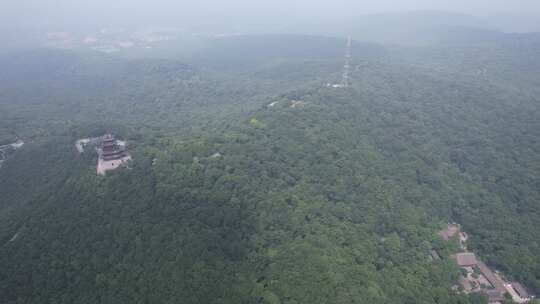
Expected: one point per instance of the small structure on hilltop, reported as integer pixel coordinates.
(297, 104)
(519, 294)
(450, 231)
(6, 150)
(335, 85)
(466, 259)
(18, 144)
(520, 290)
(112, 154)
(81, 144)
(492, 277)
(435, 255)
(216, 155)
(494, 296)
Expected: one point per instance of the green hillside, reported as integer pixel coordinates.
(327, 196)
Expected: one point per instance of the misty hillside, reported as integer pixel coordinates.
(255, 50)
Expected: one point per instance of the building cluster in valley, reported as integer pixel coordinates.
(477, 276)
(112, 153)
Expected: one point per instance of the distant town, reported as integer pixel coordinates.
(113, 40)
(110, 40)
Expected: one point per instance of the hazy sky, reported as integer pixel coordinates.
(186, 12)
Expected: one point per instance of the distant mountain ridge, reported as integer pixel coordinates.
(415, 27)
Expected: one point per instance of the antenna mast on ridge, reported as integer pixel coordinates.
(345, 76)
(347, 66)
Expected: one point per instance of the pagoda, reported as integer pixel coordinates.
(112, 154)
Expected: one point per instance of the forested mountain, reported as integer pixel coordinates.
(255, 182)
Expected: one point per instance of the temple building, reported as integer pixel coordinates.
(112, 154)
(466, 259)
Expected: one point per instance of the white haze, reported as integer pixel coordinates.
(85, 13)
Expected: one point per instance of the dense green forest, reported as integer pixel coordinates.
(337, 199)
